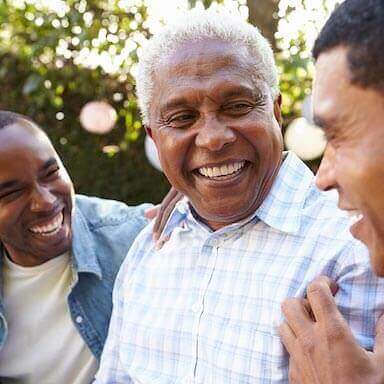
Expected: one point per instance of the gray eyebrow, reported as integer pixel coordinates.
(48, 163)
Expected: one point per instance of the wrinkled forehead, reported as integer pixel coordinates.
(202, 58)
(215, 67)
(210, 53)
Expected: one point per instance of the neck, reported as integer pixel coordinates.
(23, 258)
(215, 225)
(264, 190)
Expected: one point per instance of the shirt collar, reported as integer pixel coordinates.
(83, 246)
(281, 209)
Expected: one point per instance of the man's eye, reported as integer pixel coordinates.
(238, 108)
(181, 119)
(52, 172)
(7, 196)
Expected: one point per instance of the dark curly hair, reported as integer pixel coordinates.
(357, 25)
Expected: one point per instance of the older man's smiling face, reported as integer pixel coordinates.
(216, 130)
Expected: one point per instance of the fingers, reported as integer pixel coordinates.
(327, 281)
(159, 222)
(164, 212)
(378, 349)
(296, 370)
(320, 296)
(151, 213)
(159, 243)
(287, 337)
(167, 199)
(297, 314)
(293, 374)
(163, 216)
(379, 341)
(334, 328)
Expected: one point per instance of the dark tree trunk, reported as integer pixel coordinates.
(264, 15)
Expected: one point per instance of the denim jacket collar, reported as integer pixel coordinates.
(83, 251)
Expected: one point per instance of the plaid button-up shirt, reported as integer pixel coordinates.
(204, 308)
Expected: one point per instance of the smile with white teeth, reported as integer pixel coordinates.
(50, 228)
(223, 170)
(354, 215)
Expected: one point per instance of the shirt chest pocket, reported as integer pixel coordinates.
(242, 353)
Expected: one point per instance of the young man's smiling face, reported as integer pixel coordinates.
(216, 130)
(353, 120)
(36, 196)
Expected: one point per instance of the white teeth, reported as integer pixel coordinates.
(50, 228)
(223, 170)
(354, 216)
(353, 212)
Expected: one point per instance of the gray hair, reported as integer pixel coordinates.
(197, 25)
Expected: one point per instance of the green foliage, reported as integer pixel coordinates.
(296, 74)
(44, 76)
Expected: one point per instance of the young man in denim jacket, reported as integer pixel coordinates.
(59, 255)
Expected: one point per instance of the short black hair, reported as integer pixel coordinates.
(8, 118)
(357, 25)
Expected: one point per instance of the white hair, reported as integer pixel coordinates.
(197, 25)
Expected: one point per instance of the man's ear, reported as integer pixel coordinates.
(277, 109)
(148, 130)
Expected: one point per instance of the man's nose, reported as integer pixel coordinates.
(214, 134)
(42, 199)
(325, 177)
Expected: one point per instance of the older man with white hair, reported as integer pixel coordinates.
(252, 230)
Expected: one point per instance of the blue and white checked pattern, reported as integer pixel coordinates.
(204, 308)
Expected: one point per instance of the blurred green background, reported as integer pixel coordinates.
(58, 55)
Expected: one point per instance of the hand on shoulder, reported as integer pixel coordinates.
(321, 345)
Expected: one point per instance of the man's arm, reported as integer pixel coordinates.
(161, 213)
(321, 345)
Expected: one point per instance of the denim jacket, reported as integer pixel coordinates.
(103, 231)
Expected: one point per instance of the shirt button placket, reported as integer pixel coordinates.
(208, 261)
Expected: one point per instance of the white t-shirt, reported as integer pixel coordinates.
(43, 345)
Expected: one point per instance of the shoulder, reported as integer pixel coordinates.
(108, 227)
(102, 212)
(321, 218)
(142, 249)
(317, 210)
(320, 212)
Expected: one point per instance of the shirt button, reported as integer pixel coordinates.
(196, 307)
(79, 319)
